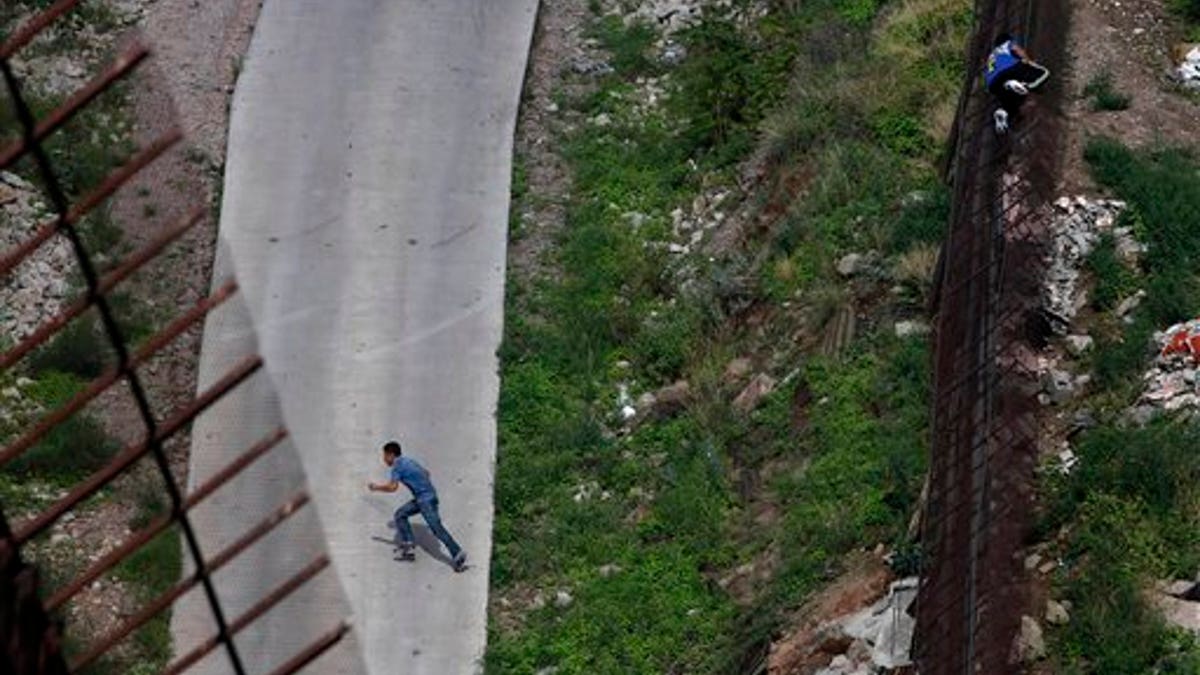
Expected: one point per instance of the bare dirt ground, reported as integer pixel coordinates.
(1132, 40)
(557, 40)
(188, 83)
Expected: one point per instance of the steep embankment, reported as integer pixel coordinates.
(714, 381)
(1117, 552)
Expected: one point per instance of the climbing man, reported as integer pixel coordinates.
(425, 501)
(1010, 76)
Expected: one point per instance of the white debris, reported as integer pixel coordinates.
(1077, 226)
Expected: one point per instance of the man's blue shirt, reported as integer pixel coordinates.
(414, 476)
(1001, 59)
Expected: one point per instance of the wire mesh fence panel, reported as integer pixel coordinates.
(985, 428)
(137, 571)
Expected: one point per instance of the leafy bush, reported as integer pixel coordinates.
(727, 83)
(901, 132)
(1104, 95)
(77, 349)
(76, 446)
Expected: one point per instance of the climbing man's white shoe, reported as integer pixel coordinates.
(1016, 87)
(1001, 116)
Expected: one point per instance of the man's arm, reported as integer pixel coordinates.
(1020, 52)
(390, 486)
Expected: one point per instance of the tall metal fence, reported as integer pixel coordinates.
(30, 630)
(985, 384)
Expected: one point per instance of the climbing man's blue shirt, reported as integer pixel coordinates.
(1001, 59)
(414, 476)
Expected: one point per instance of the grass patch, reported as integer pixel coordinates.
(78, 349)
(1104, 94)
(1114, 279)
(1127, 503)
(152, 570)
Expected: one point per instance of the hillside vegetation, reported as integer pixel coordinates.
(677, 533)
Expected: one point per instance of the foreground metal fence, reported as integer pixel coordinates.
(32, 640)
(985, 429)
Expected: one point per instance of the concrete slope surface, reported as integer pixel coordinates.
(365, 213)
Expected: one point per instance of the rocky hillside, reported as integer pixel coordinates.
(715, 386)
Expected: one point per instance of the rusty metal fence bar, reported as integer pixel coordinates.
(32, 642)
(983, 444)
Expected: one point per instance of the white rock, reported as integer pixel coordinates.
(1056, 614)
(1079, 344)
(1029, 645)
(563, 599)
(906, 328)
(850, 264)
(609, 569)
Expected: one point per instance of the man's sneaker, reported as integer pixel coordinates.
(1001, 116)
(404, 552)
(1016, 87)
(460, 561)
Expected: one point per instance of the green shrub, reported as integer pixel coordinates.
(78, 445)
(1121, 360)
(901, 132)
(1188, 8)
(1114, 280)
(1104, 95)
(923, 221)
(77, 349)
(630, 45)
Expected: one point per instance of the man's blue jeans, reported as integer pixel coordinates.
(428, 508)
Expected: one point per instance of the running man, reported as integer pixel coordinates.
(425, 501)
(1010, 76)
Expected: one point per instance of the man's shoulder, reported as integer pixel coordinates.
(408, 464)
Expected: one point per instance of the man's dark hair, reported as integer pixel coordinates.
(1001, 39)
(392, 448)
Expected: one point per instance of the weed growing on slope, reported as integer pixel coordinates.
(1104, 94)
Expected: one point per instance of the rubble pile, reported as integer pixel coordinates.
(1171, 381)
(1188, 70)
(1077, 226)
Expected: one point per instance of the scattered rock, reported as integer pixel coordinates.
(1129, 304)
(851, 264)
(887, 626)
(672, 53)
(563, 599)
(1056, 614)
(1029, 645)
(906, 328)
(609, 570)
(1032, 561)
(737, 369)
(1077, 345)
(1181, 589)
(586, 66)
(1184, 614)
(671, 399)
(1077, 226)
(1058, 385)
(760, 386)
